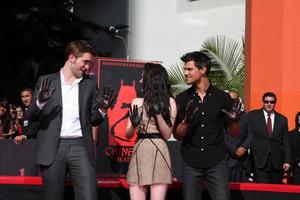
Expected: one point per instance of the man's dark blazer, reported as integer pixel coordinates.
(278, 145)
(244, 139)
(50, 118)
(30, 128)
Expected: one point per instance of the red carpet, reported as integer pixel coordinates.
(120, 182)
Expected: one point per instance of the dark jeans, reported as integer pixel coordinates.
(216, 177)
(71, 157)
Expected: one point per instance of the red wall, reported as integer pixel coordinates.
(273, 54)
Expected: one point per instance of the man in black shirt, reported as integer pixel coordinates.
(200, 126)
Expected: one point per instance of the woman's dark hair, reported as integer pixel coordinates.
(296, 120)
(4, 103)
(156, 90)
(6, 117)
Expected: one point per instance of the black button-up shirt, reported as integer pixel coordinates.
(204, 146)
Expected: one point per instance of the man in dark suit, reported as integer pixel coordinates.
(238, 140)
(67, 106)
(294, 136)
(271, 147)
(29, 129)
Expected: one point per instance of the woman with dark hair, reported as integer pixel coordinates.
(6, 123)
(295, 149)
(19, 120)
(153, 117)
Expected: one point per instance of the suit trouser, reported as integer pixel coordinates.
(240, 171)
(268, 174)
(216, 177)
(71, 157)
(296, 173)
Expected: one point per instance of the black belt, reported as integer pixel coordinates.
(149, 135)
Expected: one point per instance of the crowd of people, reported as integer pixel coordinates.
(221, 142)
(13, 118)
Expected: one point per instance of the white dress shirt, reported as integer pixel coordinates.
(70, 127)
(272, 116)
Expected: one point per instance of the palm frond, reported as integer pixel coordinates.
(176, 78)
(227, 56)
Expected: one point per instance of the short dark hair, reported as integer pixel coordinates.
(269, 94)
(200, 59)
(27, 89)
(4, 103)
(78, 47)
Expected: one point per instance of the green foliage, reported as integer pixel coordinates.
(176, 78)
(227, 56)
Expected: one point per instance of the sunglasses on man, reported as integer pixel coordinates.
(271, 102)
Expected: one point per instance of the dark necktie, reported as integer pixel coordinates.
(234, 129)
(269, 125)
